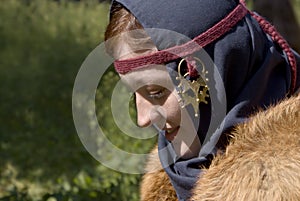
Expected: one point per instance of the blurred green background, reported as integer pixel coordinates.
(42, 46)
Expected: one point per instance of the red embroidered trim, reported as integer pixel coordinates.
(163, 56)
(276, 37)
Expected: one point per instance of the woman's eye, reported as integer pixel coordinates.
(157, 94)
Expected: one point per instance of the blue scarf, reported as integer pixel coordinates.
(253, 68)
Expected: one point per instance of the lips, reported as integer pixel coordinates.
(171, 133)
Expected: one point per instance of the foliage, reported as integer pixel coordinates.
(42, 46)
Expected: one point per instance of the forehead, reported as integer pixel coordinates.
(152, 75)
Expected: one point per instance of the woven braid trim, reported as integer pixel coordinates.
(164, 56)
(276, 37)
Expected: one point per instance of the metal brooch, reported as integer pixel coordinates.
(192, 91)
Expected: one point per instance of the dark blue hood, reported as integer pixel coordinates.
(254, 70)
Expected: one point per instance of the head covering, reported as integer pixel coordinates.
(255, 70)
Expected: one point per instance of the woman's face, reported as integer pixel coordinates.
(157, 105)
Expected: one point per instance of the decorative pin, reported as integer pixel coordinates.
(195, 91)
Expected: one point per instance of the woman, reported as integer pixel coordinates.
(197, 70)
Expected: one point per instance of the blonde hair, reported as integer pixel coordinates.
(125, 29)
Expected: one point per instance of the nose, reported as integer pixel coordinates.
(148, 113)
(143, 107)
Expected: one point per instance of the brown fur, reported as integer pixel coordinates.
(156, 185)
(262, 161)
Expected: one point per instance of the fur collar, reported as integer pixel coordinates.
(262, 162)
(156, 185)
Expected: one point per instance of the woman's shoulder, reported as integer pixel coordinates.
(262, 161)
(155, 183)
